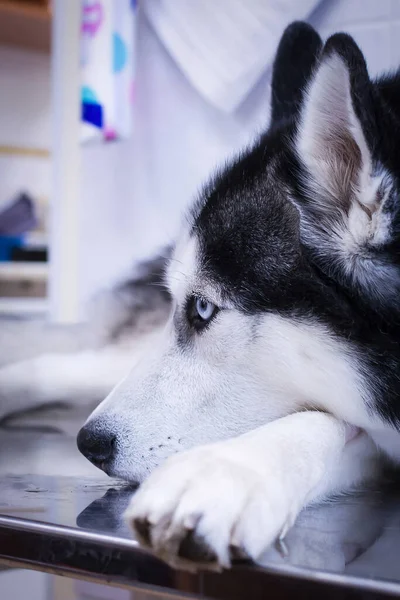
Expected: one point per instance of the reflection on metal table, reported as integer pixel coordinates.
(348, 548)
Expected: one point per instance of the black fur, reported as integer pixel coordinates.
(249, 226)
(295, 59)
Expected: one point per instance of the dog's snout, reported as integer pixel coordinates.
(96, 445)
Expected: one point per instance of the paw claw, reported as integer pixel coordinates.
(197, 518)
(282, 548)
(237, 552)
(194, 548)
(142, 529)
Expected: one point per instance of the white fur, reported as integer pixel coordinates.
(272, 412)
(246, 492)
(181, 268)
(327, 116)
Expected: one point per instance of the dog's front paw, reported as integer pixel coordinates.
(204, 507)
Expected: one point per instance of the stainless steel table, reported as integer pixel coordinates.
(349, 548)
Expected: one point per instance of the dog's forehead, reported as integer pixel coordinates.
(185, 275)
(241, 235)
(182, 267)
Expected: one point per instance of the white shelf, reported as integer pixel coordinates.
(14, 271)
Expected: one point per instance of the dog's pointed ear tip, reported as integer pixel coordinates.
(295, 58)
(339, 40)
(345, 46)
(300, 29)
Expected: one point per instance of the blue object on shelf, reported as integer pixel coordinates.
(7, 243)
(92, 113)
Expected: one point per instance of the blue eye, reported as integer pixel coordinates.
(200, 312)
(205, 309)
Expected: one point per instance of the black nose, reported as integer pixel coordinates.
(97, 445)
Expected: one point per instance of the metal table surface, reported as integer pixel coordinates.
(348, 548)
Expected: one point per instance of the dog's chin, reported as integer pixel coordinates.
(108, 468)
(131, 476)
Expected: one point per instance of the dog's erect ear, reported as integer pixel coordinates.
(295, 59)
(330, 141)
(343, 193)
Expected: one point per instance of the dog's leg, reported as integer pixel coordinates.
(244, 493)
(68, 378)
(24, 339)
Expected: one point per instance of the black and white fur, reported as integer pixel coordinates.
(288, 392)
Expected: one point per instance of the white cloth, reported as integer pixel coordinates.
(223, 46)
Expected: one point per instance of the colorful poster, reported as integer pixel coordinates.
(107, 63)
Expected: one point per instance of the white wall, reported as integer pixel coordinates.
(134, 192)
(374, 24)
(24, 120)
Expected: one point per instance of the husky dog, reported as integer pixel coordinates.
(275, 382)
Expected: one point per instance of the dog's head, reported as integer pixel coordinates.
(285, 260)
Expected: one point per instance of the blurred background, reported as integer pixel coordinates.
(113, 113)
